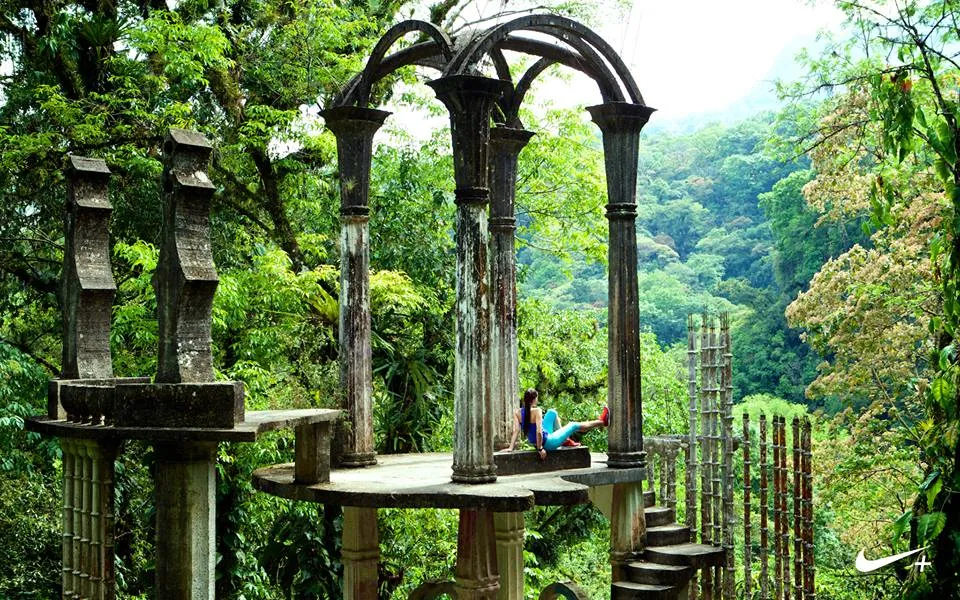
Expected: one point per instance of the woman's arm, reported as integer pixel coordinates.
(516, 430)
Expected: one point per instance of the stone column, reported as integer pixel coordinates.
(361, 553)
(469, 100)
(508, 528)
(186, 484)
(505, 146)
(628, 527)
(620, 123)
(88, 286)
(354, 128)
(476, 571)
(185, 283)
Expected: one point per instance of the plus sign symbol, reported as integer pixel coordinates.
(922, 563)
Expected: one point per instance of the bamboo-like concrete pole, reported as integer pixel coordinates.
(797, 539)
(715, 426)
(69, 475)
(784, 509)
(706, 511)
(691, 454)
(764, 511)
(729, 517)
(747, 537)
(777, 549)
(808, 558)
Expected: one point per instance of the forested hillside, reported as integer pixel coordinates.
(828, 229)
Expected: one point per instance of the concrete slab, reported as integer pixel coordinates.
(423, 481)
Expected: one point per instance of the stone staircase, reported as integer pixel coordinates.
(669, 560)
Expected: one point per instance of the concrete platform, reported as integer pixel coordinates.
(255, 424)
(423, 481)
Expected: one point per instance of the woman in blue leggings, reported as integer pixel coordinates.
(545, 431)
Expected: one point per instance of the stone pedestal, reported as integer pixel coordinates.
(361, 553)
(476, 575)
(509, 528)
(186, 486)
(628, 527)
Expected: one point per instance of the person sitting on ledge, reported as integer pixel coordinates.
(545, 431)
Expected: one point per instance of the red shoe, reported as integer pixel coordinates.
(571, 443)
(605, 416)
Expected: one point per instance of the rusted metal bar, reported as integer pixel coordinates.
(764, 510)
(469, 100)
(797, 538)
(807, 493)
(505, 147)
(747, 532)
(620, 123)
(354, 128)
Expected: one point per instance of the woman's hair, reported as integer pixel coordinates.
(528, 397)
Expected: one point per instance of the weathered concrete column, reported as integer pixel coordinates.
(476, 575)
(360, 552)
(354, 128)
(185, 282)
(186, 484)
(88, 286)
(509, 528)
(620, 123)
(628, 527)
(505, 146)
(469, 100)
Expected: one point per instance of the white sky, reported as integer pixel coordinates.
(693, 56)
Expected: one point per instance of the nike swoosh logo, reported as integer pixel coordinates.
(865, 565)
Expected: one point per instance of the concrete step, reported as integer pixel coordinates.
(657, 574)
(627, 590)
(685, 555)
(659, 515)
(668, 535)
(648, 498)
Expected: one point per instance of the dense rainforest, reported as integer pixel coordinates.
(829, 230)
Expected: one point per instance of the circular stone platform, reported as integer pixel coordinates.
(423, 481)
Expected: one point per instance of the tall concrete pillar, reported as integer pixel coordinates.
(186, 485)
(354, 128)
(476, 576)
(508, 529)
(505, 146)
(361, 553)
(469, 100)
(620, 123)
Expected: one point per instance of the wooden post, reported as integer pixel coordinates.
(476, 575)
(509, 529)
(505, 146)
(360, 553)
(620, 123)
(747, 532)
(797, 540)
(764, 510)
(469, 100)
(354, 128)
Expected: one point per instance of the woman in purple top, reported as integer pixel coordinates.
(545, 431)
